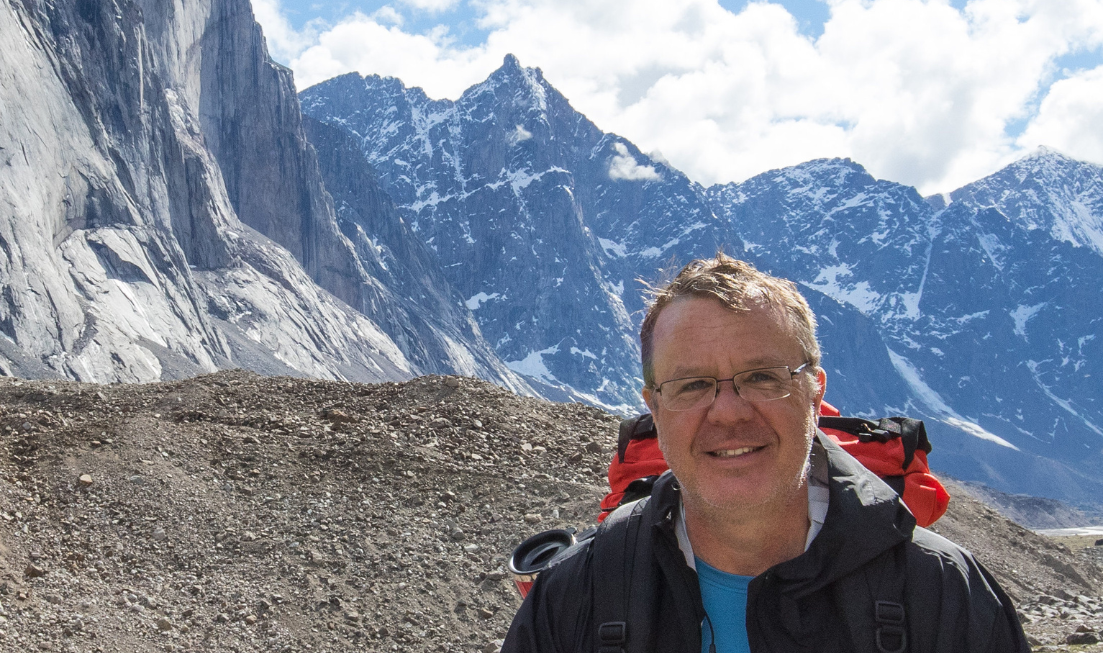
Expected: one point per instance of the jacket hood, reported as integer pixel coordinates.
(865, 517)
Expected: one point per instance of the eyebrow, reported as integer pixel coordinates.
(681, 372)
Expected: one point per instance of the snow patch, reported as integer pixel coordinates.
(936, 404)
(1022, 315)
(1063, 403)
(612, 248)
(478, 299)
(533, 365)
(624, 166)
(582, 352)
(858, 295)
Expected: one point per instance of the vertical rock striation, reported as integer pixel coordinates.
(123, 256)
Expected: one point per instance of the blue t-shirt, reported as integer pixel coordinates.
(725, 598)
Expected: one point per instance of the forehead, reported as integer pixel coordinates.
(694, 332)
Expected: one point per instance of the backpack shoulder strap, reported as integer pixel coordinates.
(872, 601)
(617, 547)
(640, 427)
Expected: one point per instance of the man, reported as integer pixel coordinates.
(764, 536)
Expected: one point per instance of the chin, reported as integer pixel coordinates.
(747, 494)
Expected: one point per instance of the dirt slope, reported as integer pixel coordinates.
(239, 513)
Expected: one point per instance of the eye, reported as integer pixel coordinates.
(762, 377)
(690, 386)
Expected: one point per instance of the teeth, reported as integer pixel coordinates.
(732, 453)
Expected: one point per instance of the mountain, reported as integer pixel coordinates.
(980, 332)
(165, 215)
(166, 209)
(927, 307)
(1047, 191)
(543, 222)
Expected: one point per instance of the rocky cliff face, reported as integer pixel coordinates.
(166, 215)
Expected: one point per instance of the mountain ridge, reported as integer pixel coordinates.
(881, 255)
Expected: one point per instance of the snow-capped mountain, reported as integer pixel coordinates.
(1047, 191)
(544, 224)
(986, 318)
(541, 221)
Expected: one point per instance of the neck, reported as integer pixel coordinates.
(749, 541)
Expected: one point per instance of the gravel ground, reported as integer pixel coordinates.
(234, 512)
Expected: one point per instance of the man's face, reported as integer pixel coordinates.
(734, 453)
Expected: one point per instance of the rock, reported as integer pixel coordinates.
(159, 534)
(163, 624)
(86, 480)
(34, 571)
(593, 447)
(251, 619)
(1081, 638)
(457, 534)
(452, 382)
(533, 518)
(485, 614)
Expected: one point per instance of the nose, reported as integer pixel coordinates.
(728, 405)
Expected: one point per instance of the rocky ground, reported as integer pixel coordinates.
(233, 512)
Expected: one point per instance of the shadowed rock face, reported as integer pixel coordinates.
(415, 304)
(167, 216)
(123, 256)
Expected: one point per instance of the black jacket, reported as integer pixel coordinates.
(819, 601)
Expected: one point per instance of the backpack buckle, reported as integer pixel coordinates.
(890, 636)
(612, 635)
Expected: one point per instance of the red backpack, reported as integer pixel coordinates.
(894, 448)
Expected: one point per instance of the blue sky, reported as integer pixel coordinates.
(933, 93)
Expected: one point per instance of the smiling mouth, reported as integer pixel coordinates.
(733, 453)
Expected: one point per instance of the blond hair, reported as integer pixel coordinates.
(739, 286)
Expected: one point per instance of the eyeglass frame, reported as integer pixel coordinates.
(719, 383)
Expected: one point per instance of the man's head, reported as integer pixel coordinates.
(738, 286)
(720, 318)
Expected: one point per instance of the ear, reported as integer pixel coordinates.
(649, 399)
(821, 388)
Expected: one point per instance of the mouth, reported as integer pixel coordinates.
(734, 453)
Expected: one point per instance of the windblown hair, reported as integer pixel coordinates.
(739, 286)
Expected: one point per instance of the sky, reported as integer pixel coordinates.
(929, 93)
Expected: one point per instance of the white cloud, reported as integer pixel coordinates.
(623, 166)
(519, 134)
(916, 90)
(432, 6)
(284, 42)
(1070, 117)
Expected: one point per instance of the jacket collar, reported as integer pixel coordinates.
(865, 517)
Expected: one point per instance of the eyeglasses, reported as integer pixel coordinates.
(764, 384)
